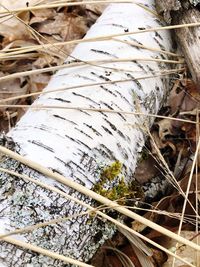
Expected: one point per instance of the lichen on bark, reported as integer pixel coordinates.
(40, 205)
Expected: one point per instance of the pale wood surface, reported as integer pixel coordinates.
(188, 38)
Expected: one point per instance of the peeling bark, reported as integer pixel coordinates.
(79, 144)
(188, 38)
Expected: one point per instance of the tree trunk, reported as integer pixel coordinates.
(80, 143)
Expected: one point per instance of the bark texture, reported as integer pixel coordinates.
(79, 144)
(188, 38)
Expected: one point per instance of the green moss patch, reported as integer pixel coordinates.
(112, 185)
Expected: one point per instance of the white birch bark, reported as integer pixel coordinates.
(77, 143)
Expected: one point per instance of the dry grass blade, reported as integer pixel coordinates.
(39, 225)
(189, 184)
(66, 4)
(170, 177)
(24, 245)
(99, 213)
(45, 252)
(36, 34)
(20, 56)
(147, 47)
(96, 197)
(52, 189)
(162, 28)
(93, 110)
(181, 61)
(164, 73)
(97, 63)
(107, 37)
(187, 193)
(52, 69)
(191, 219)
(26, 49)
(196, 181)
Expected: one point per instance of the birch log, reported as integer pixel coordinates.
(80, 143)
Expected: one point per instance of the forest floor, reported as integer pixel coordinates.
(171, 149)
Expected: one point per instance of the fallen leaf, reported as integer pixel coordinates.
(165, 128)
(159, 257)
(38, 83)
(185, 96)
(11, 28)
(146, 170)
(185, 252)
(13, 87)
(63, 26)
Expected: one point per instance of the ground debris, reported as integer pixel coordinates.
(21, 38)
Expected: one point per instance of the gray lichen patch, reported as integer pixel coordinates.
(24, 203)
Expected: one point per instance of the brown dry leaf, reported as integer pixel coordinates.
(46, 60)
(114, 260)
(10, 27)
(99, 259)
(19, 63)
(13, 4)
(165, 128)
(19, 43)
(129, 251)
(97, 8)
(13, 87)
(159, 257)
(10, 88)
(185, 96)
(11, 33)
(161, 144)
(195, 183)
(94, 11)
(176, 97)
(37, 83)
(104, 257)
(191, 134)
(41, 15)
(63, 27)
(184, 252)
(172, 205)
(146, 170)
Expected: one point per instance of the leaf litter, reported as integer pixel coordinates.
(176, 140)
(52, 26)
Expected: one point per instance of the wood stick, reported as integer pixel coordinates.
(182, 12)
